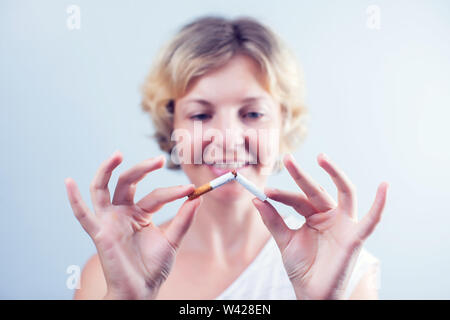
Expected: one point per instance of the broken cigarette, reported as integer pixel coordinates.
(251, 187)
(213, 184)
(233, 175)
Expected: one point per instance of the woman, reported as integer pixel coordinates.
(236, 79)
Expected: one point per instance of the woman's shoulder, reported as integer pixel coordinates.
(366, 262)
(366, 258)
(92, 281)
(366, 271)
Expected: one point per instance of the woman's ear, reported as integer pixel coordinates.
(170, 106)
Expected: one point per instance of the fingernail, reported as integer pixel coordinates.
(289, 156)
(161, 157)
(115, 153)
(269, 190)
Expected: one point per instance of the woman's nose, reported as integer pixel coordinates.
(232, 132)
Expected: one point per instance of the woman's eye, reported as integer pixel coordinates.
(253, 115)
(200, 116)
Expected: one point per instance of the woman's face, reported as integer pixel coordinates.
(228, 121)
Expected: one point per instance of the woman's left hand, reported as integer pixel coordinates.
(319, 257)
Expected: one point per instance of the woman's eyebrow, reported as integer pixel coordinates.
(200, 101)
(252, 99)
(210, 104)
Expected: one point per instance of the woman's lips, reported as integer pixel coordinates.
(219, 171)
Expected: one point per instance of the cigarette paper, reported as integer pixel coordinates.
(250, 187)
(222, 180)
(213, 184)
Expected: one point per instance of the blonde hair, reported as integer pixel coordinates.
(208, 43)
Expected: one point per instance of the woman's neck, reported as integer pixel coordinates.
(226, 230)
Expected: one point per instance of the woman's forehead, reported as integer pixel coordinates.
(239, 78)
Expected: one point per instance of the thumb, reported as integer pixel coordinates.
(274, 222)
(182, 221)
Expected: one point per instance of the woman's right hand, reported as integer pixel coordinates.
(136, 256)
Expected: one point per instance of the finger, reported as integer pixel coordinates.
(274, 222)
(298, 201)
(99, 185)
(346, 190)
(182, 221)
(371, 219)
(316, 194)
(81, 211)
(126, 185)
(159, 197)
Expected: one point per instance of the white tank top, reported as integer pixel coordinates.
(266, 279)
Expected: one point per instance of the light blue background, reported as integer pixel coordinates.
(379, 103)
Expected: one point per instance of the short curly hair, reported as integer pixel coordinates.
(208, 43)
